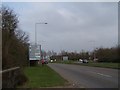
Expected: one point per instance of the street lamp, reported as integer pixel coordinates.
(36, 31)
(36, 34)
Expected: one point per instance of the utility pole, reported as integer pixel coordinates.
(93, 41)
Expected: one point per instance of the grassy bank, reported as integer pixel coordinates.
(94, 64)
(103, 65)
(42, 76)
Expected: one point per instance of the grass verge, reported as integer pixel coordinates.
(102, 65)
(42, 76)
(94, 64)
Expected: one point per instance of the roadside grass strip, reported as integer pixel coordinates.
(42, 76)
(94, 64)
(102, 65)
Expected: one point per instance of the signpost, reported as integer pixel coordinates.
(35, 52)
(65, 58)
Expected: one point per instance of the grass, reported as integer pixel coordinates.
(68, 62)
(103, 65)
(94, 64)
(42, 76)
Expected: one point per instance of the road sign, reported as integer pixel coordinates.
(34, 52)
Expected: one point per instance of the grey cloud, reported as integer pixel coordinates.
(72, 25)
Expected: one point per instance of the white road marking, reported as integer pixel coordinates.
(100, 74)
(104, 75)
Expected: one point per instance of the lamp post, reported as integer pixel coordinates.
(36, 34)
(36, 31)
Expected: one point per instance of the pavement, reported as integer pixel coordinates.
(87, 77)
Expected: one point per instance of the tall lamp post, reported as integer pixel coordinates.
(36, 34)
(36, 31)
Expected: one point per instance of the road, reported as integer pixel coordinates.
(87, 77)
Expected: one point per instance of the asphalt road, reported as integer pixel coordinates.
(87, 77)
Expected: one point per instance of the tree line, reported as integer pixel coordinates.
(100, 54)
(14, 41)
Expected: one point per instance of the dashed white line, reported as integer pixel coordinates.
(100, 74)
(104, 75)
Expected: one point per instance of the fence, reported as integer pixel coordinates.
(10, 77)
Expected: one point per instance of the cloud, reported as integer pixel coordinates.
(71, 26)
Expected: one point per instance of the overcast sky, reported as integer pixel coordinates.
(72, 26)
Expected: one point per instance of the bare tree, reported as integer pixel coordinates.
(15, 48)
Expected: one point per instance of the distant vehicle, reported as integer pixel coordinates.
(44, 61)
(85, 61)
(51, 60)
(80, 61)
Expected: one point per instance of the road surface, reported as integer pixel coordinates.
(87, 77)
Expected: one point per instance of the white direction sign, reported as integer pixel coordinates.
(34, 52)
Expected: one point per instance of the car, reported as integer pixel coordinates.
(51, 61)
(85, 61)
(80, 61)
(45, 62)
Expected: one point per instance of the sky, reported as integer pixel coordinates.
(72, 26)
